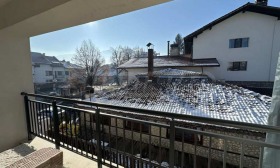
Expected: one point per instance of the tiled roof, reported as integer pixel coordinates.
(170, 61)
(198, 97)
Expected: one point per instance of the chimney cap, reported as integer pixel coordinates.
(261, 2)
(150, 45)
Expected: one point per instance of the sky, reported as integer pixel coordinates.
(156, 24)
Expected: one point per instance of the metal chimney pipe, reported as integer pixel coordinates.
(150, 64)
(168, 47)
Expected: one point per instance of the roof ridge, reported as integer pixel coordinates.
(251, 7)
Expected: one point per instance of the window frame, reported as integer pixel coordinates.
(238, 66)
(239, 42)
(49, 73)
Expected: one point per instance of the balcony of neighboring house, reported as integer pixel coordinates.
(113, 136)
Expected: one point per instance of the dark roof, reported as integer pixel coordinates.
(250, 7)
(169, 62)
(69, 65)
(39, 58)
(52, 59)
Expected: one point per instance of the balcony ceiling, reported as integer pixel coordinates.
(4, 2)
(32, 17)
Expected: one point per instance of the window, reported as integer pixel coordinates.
(238, 66)
(239, 43)
(67, 73)
(49, 73)
(36, 65)
(49, 80)
(59, 73)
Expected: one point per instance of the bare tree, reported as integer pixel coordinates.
(77, 78)
(127, 53)
(117, 59)
(180, 42)
(138, 52)
(89, 57)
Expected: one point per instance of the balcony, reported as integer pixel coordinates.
(120, 136)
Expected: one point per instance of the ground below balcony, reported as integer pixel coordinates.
(70, 159)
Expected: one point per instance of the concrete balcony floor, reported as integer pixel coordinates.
(70, 159)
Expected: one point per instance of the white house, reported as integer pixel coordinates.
(245, 42)
(240, 47)
(47, 71)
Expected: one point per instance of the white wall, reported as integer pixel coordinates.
(63, 77)
(261, 55)
(40, 74)
(16, 77)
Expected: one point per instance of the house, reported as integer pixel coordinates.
(233, 48)
(48, 71)
(195, 94)
(108, 74)
(245, 42)
(137, 66)
(69, 67)
(74, 79)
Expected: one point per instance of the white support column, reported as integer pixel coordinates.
(271, 156)
(16, 76)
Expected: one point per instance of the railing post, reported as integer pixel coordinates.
(98, 137)
(56, 125)
(172, 141)
(27, 117)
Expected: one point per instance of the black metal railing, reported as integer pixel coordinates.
(131, 137)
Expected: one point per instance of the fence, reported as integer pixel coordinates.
(131, 137)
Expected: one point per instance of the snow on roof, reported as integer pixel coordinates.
(173, 72)
(69, 65)
(39, 58)
(169, 61)
(198, 97)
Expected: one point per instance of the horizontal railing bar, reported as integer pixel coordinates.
(227, 137)
(77, 109)
(135, 120)
(242, 125)
(118, 117)
(37, 101)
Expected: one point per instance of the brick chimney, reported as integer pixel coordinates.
(150, 64)
(261, 2)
